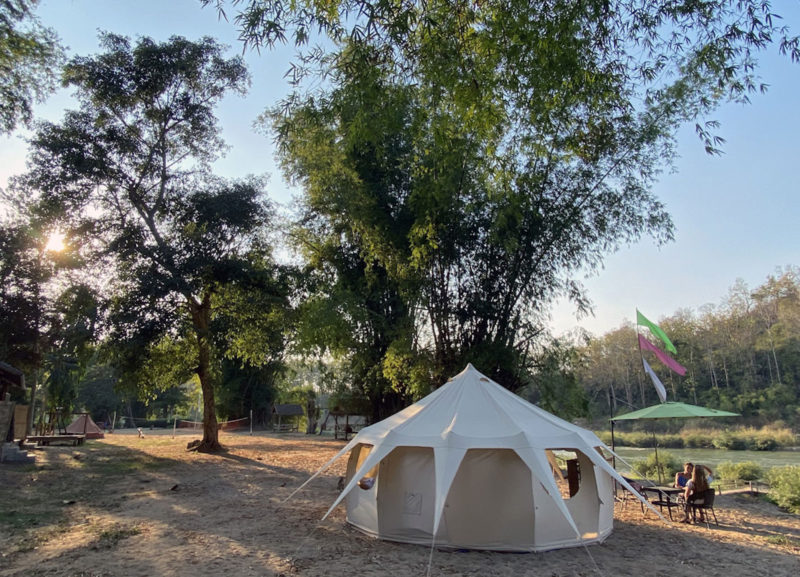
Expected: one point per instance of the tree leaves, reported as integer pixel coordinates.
(127, 175)
(473, 155)
(29, 59)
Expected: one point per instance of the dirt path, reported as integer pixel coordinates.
(125, 506)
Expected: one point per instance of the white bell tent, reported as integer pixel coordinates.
(476, 466)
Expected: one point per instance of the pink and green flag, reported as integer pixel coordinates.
(646, 345)
(656, 330)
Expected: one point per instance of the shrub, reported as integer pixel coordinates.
(605, 436)
(768, 438)
(784, 485)
(671, 441)
(696, 439)
(666, 461)
(621, 438)
(745, 471)
(728, 440)
(641, 440)
(726, 470)
(781, 434)
(762, 444)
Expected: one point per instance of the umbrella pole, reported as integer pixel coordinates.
(658, 467)
(613, 450)
(613, 458)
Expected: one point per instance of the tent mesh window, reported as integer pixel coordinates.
(566, 471)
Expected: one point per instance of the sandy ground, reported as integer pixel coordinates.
(126, 506)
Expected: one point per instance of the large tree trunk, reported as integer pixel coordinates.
(201, 314)
(210, 440)
(29, 420)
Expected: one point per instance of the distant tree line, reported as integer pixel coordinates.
(742, 355)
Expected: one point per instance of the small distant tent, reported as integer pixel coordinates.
(475, 466)
(84, 425)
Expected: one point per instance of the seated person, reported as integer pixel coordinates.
(695, 487)
(683, 477)
(366, 483)
(709, 474)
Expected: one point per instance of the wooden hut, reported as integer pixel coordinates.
(286, 417)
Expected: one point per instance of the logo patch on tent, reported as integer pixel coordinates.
(412, 504)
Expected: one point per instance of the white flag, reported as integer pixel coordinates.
(662, 392)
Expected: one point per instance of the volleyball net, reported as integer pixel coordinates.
(234, 425)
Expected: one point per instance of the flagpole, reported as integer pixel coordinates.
(639, 345)
(611, 420)
(641, 354)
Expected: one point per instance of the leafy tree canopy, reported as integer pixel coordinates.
(29, 59)
(126, 174)
(466, 158)
(21, 309)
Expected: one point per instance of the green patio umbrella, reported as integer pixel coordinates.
(673, 410)
(669, 410)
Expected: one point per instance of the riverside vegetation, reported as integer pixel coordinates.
(783, 481)
(767, 438)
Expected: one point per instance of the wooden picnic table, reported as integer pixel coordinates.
(665, 497)
(45, 440)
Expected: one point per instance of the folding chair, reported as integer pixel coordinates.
(637, 486)
(703, 504)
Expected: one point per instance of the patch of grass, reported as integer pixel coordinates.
(34, 537)
(21, 512)
(119, 463)
(16, 519)
(24, 468)
(110, 536)
(121, 467)
(784, 541)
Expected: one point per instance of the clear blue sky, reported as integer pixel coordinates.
(736, 216)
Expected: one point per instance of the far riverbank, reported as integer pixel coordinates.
(713, 457)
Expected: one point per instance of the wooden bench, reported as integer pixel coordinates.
(285, 428)
(345, 430)
(45, 440)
